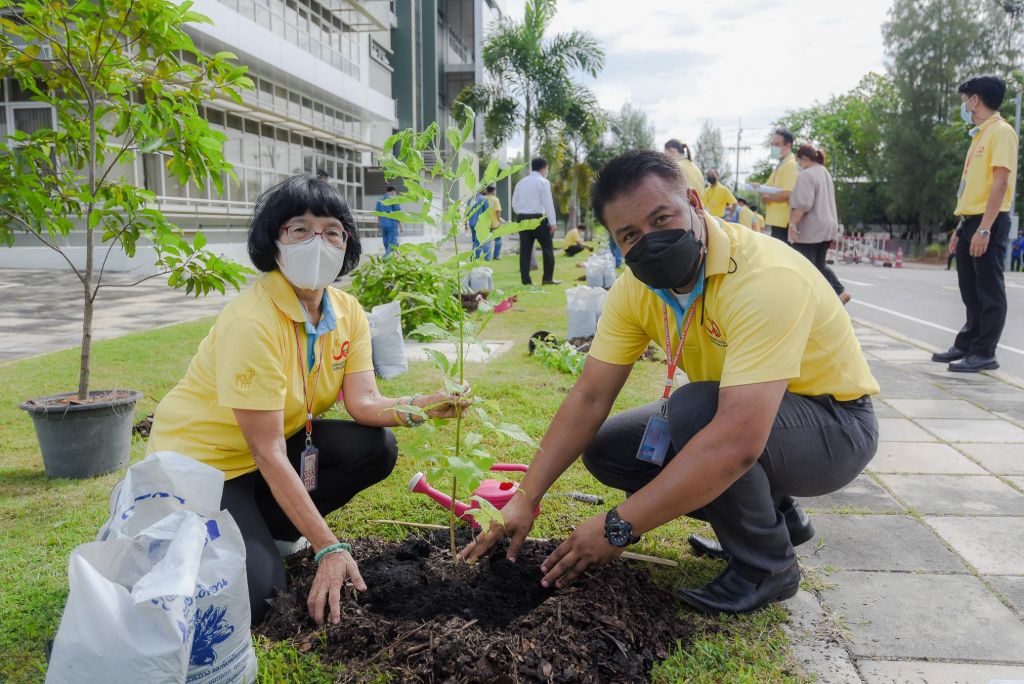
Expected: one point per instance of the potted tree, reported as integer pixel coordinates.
(123, 79)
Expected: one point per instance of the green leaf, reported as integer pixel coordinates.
(440, 360)
(516, 433)
(486, 514)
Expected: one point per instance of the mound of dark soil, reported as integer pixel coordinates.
(426, 618)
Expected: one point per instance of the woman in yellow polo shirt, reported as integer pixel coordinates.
(283, 352)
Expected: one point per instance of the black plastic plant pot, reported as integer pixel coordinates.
(84, 440)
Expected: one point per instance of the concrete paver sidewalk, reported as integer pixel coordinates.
(917, 570)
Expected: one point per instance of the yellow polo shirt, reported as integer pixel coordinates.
(573, 237)
(784, 178)
(746, 216)
(694, 178)
(716, 198)
(249, 360)
(766, 314)
(993, 146)
(494, 210)
(758, 222)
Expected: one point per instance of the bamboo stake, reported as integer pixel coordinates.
(629, 555)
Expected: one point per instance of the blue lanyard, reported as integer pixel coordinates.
(673, 303)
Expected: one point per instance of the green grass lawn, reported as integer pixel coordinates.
(42, 520)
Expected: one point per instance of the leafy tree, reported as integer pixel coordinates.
(584, 123)
(709, 152)
(464, 463)
(531, 86)
(629, 129)
(123, 79)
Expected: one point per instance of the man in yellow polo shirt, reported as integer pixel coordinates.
(716, 196)
(778, 401)
(776, 204)
(982, 238)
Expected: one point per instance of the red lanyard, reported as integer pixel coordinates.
(304, 374)
(673, 358)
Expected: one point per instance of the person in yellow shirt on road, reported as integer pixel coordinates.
(680, 152)
(983, 236)
(716, 196)
(777, 404)
(776, 204)
(285, 351)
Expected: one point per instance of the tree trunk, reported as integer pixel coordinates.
(574, 208)
(90, 248)
(528, 113)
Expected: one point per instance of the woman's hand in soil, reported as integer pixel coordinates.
(518, 521)
(585, 547)
(330, 578)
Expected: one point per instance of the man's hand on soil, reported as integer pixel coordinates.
(586, 546)
(518, 517)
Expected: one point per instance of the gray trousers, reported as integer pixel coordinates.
(816, 446)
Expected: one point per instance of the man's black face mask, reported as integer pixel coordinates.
(666, 259)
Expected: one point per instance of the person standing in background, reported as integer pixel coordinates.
(983, 236)
(776, 204)
(531, 199)
(717, 197)
(814, 220)
(494, 216)
(680, 152)
(389, 227)
(1015, 252)
(477, 212)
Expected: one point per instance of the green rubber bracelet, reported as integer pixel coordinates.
(332, 548)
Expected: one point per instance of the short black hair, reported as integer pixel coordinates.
(538, 163)
(743, 201)
(786, 135)
(625, 173)
(322, 173)
(294, 197)
(391, 188)
(489, 189)
(990, 90)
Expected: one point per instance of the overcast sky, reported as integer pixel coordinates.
(686, 62)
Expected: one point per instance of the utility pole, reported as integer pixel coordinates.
(739, 147)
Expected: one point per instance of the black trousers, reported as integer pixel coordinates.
(352, 458)
(573, 250)
(541, 234)
(981, 286)
(780, 233)
(816, 446)
(816, 252)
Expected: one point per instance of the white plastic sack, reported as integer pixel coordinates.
(389, 359)
(594, 269)
(163, 598)
(608, 272)
(481, 279)
(583, 307)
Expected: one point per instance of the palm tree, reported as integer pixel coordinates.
(531, 75)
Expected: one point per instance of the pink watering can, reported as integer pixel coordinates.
(498, 493)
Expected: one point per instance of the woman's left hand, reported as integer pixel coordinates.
(442, 404)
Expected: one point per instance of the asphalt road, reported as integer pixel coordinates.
(923, 302)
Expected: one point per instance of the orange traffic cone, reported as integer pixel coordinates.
(899, 257)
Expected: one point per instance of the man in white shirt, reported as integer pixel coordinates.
(532, 199)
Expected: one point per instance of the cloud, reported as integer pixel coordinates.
(687, 62)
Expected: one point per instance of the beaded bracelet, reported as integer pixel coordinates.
(406, 418)
(331, 548)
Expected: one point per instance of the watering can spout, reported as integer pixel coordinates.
(495, 492)
(419, 485)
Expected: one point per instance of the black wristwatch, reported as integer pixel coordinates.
(617, 531)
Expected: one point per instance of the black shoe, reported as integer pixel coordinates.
(974, 363)
(797, 522)
(731, 592)
(551, 282)
(951, 354)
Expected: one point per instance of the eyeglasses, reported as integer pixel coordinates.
(299, 234)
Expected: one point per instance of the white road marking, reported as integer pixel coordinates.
(859, 282)
(1019, 287)
(924, 322)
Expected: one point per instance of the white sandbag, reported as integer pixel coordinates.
(594, 269)
(608, 272)
(583, 307)
(162, 600)
(481, 279)
(389, 359)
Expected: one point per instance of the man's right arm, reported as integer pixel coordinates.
(574, 425)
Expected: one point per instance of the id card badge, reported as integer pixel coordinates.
(310, 462)
(656, 441)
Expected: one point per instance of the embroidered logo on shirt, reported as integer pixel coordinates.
(243, 381)
(715, 333)
(340, 355)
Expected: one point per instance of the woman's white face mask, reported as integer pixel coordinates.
(310, 265)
